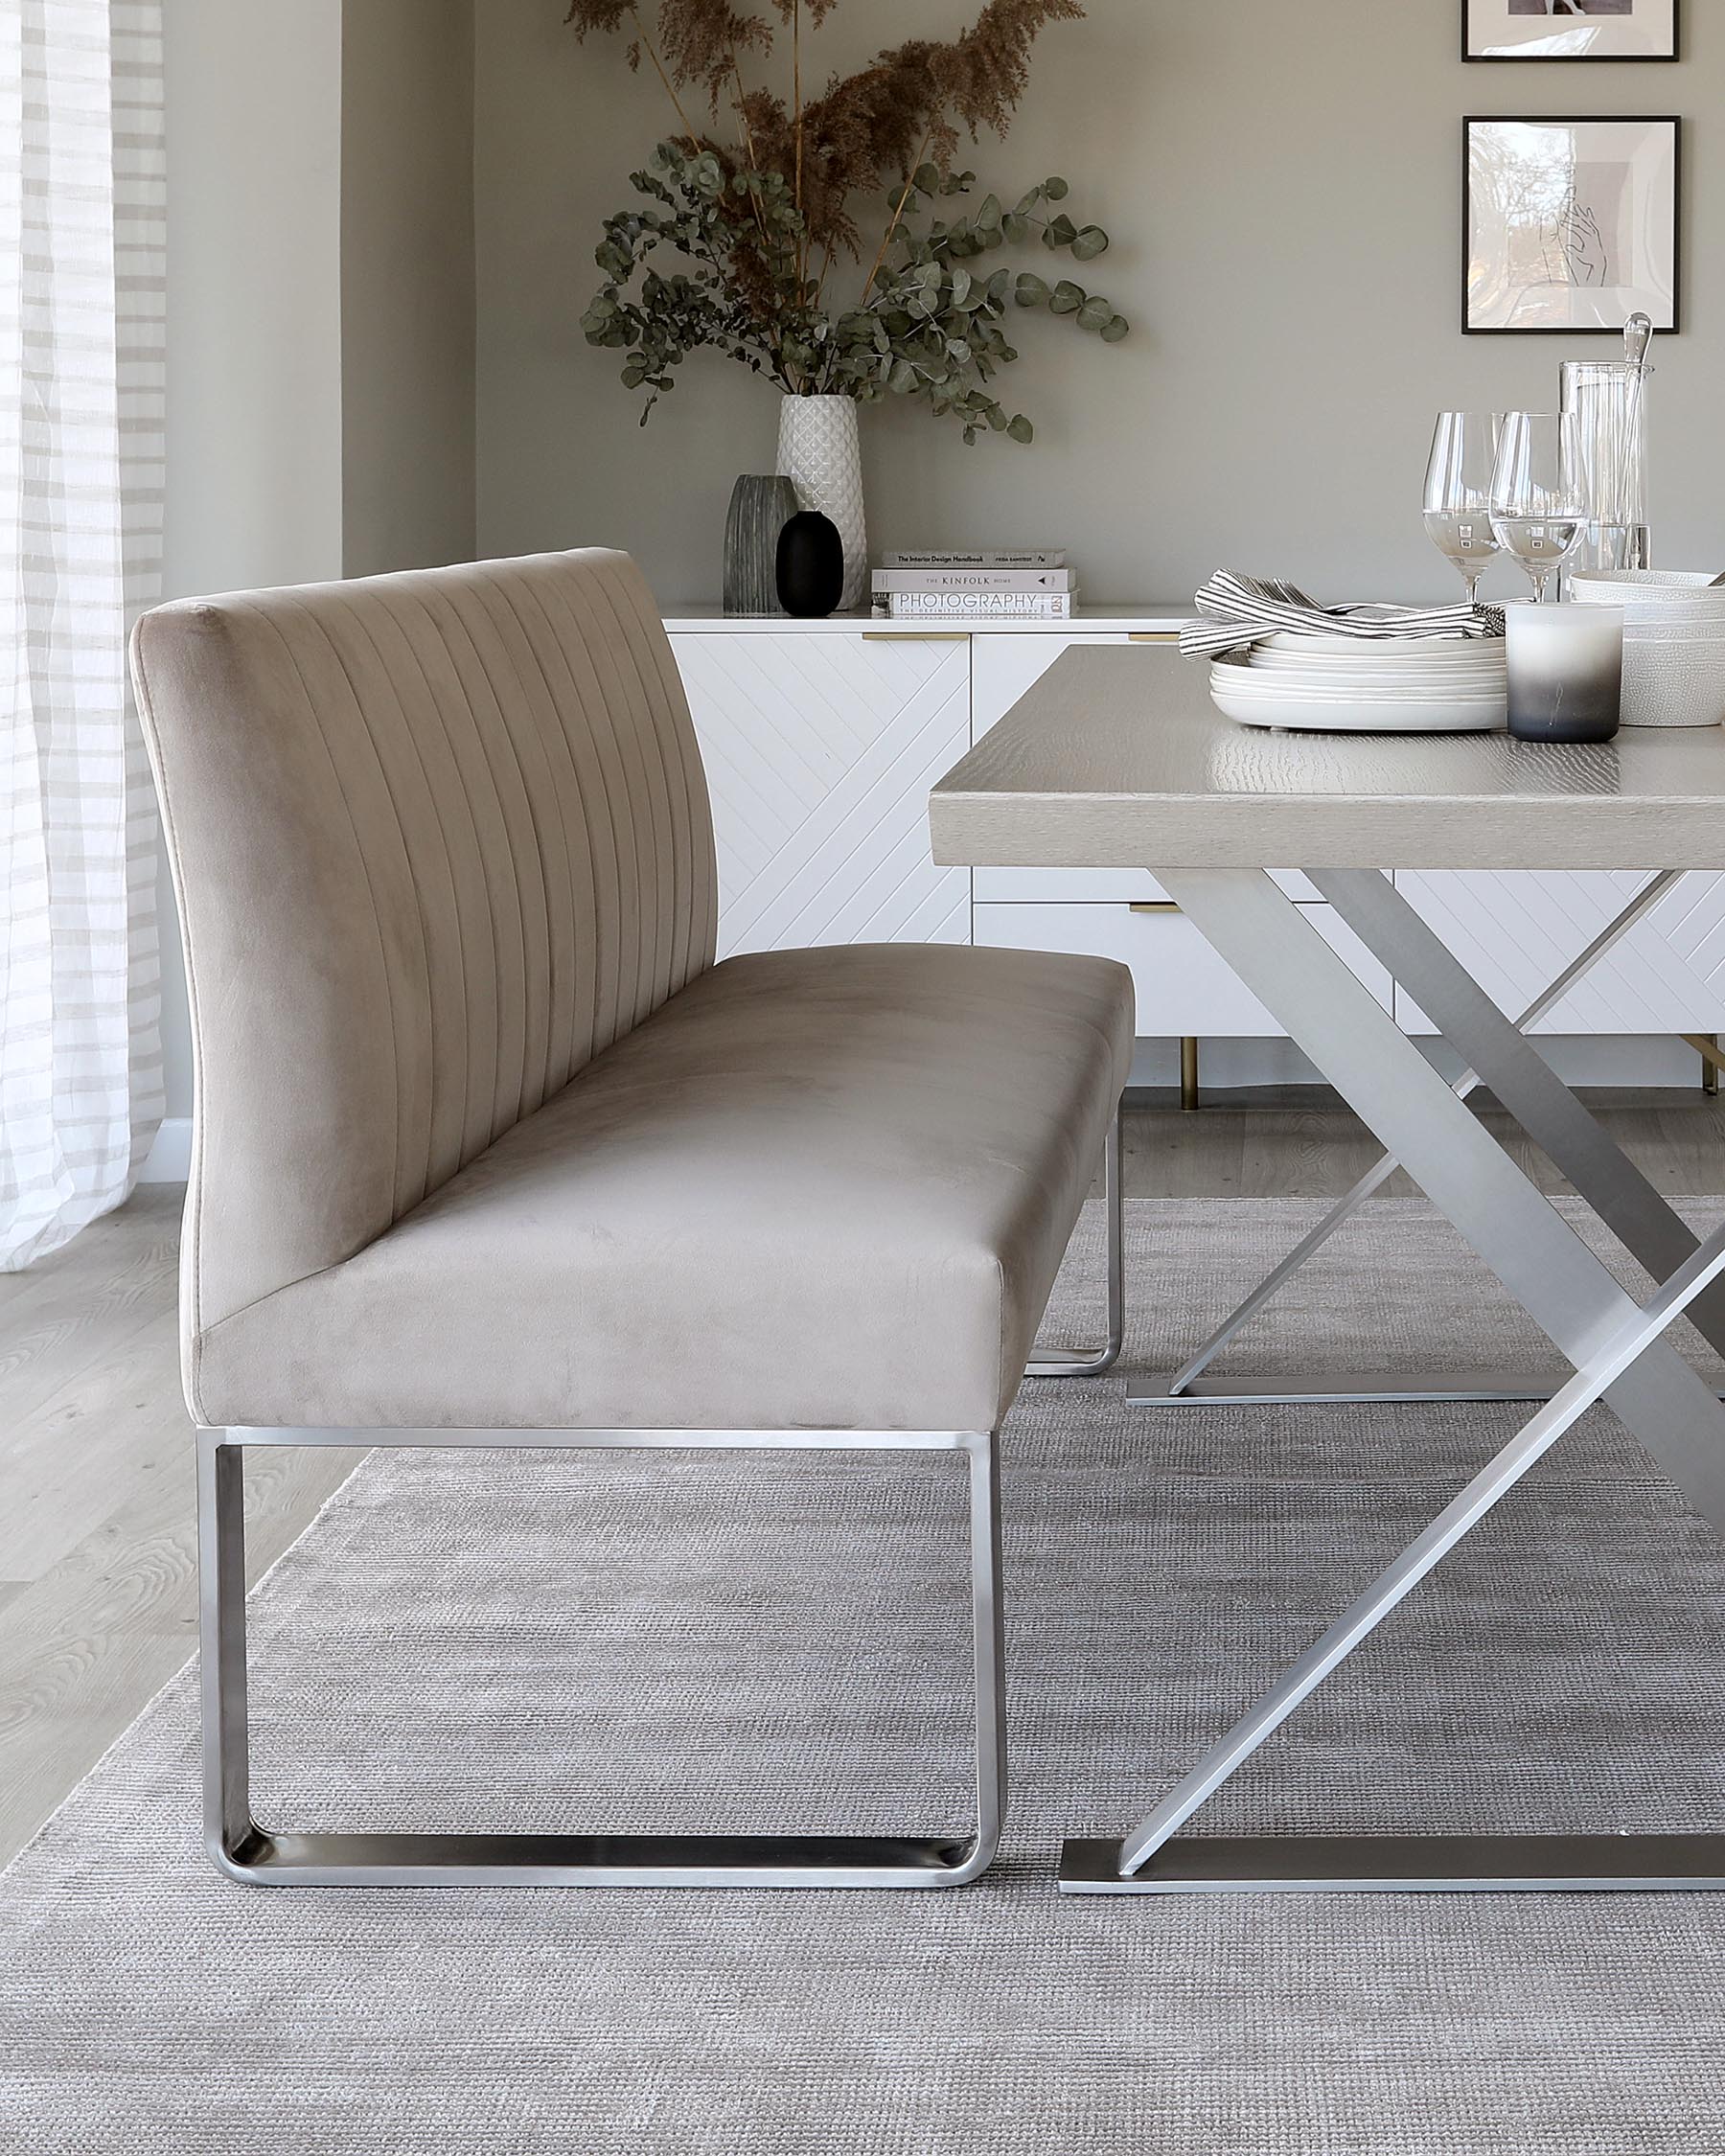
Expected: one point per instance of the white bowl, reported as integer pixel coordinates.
(1665, 590)
(1683, 636)
(1690, 616)
(1688, 613)
(1668, 687)
(1652, 579)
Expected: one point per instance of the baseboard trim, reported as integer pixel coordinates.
(1635, 1061)
(170, 1157)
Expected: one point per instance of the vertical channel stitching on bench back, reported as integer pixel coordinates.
(439, 839)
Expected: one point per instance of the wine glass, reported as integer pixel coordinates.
(1457, 491)
(1538, 493)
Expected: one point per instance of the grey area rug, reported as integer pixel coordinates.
(508, 1641)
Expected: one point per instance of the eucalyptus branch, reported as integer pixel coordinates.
(932, 328)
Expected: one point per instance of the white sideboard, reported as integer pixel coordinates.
(821, 739)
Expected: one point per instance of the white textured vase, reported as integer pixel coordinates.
(819, 454)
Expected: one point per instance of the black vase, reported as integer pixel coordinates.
(810, 564)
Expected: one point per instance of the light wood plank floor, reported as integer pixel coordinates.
(97, 1563)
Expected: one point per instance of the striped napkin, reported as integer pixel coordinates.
(1239, 611)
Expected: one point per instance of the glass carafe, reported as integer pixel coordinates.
(1607, 399)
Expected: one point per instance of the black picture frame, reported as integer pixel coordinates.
(1576, 59)
(1474, 120)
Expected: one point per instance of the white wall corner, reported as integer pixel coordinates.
(170, 1157)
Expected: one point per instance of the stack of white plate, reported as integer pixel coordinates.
(1358, 685)
(1673, 642)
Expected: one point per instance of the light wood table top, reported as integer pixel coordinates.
(1118, 758)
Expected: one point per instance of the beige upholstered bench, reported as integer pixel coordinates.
(490, 1151)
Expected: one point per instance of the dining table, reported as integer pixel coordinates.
(1116, 759)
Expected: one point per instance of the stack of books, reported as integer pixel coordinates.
(994, 584)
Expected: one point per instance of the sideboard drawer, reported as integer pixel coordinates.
(1516, 930)
(1182, 987)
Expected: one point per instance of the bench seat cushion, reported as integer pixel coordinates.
(816, 1190)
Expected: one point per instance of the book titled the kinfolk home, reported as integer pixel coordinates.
(972, 579)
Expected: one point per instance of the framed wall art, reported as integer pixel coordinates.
(1555, 30)
(1571, 224)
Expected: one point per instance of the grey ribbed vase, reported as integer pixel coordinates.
(760, 508)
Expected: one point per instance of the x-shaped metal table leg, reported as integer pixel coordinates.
(1616, 1349)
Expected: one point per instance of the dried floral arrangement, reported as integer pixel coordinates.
(764, 218)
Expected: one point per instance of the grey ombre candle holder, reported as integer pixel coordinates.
(1566, 671)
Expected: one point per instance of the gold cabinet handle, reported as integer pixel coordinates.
(917, 635)
(1152, 637)
(1151, 906)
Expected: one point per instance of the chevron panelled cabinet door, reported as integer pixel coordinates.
(1515, 930)
(821, 747)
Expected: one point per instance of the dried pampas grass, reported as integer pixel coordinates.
(864, 132)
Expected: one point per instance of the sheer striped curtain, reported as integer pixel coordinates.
(82, 234)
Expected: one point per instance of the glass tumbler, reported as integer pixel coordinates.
(1607, 401)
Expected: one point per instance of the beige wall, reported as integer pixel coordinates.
(1283, 183)
(320, 383)
(254, 327)
(254, 300)
(407, 390)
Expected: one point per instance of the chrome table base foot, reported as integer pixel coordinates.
(1404, 1864)
(599, 1860)
(1344, 1387)
(1388, 1388)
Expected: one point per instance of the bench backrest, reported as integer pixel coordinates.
(438, 838)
